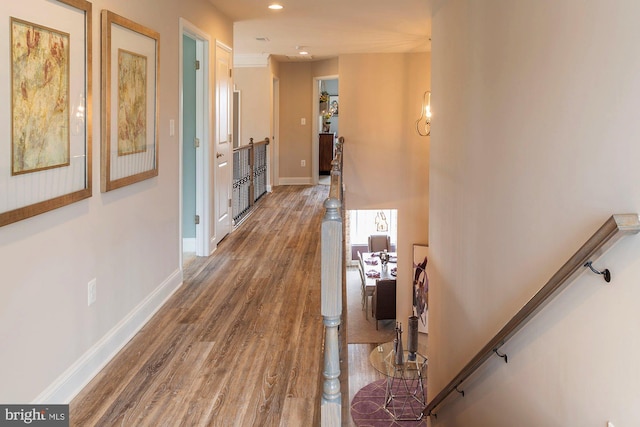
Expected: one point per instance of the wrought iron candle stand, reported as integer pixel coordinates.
(412, 341)
(397, 345)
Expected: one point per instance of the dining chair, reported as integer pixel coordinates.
(383, 302)
(379, 242)
(362, 278)
(364, 291)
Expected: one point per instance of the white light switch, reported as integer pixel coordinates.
(303, 121)
(172, 127)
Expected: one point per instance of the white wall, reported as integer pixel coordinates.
(254, 84)
(296, 103)
(534, 146)
(127, 239)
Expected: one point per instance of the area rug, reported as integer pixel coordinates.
(367, 408)
(361, 330)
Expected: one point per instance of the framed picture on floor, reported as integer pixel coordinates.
(45, 159)
(130, 65)
(421, 285)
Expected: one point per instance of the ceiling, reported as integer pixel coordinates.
(327, 28)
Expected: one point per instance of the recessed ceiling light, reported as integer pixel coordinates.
(275, 6)
(303, 52)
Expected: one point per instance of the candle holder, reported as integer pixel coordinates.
(412, 341)
(384, 258)
(397, 345)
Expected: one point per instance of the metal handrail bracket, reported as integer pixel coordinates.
(616, 227)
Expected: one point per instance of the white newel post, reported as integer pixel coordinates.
(331, 282)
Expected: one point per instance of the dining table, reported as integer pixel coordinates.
(374, 270)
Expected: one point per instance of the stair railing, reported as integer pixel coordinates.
(332, 231)
(616, 227)
(249, 177)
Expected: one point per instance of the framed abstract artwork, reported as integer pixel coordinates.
(39, 94)
(130, 70)
(46, 161)
(420, 285)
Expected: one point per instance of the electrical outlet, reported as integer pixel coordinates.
(92, 291)
(303, 163)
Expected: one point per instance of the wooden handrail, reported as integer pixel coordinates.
(616, 227)
(251, 143)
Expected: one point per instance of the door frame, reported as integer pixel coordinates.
(203, 132)
(273, 177)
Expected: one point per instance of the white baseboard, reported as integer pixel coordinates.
(78, 375)
(188, 244)
(302, 180)
(212, 245)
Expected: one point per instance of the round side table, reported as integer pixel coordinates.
(404, 397)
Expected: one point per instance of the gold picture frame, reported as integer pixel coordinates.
(47, 165)
(130, 74)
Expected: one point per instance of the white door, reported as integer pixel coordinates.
(223, 144)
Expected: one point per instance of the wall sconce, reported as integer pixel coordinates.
(423, 124)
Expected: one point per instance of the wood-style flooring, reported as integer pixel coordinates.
(240, 343)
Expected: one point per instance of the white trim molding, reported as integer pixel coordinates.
(300, 180)
(250, 60)
(188, 244)
(80, 373)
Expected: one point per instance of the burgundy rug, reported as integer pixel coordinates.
(367, 408)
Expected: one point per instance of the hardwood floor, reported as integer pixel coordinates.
(361, 373)
(239, 344)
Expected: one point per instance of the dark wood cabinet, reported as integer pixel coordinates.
(325, 154)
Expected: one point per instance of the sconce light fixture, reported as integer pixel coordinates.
(423, 124)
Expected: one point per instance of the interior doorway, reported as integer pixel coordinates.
(363, 223)
(325, 129)
(188, 150)
(360, 224)
(194, 134)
